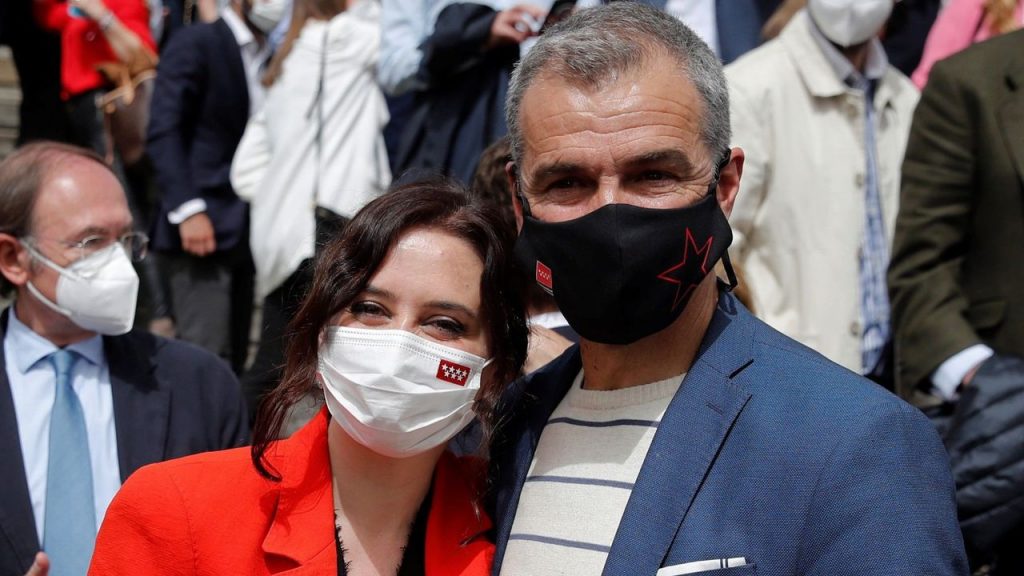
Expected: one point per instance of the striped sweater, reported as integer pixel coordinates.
(581, 477)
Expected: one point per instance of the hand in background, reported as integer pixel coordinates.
(197, 236)
(40, 566)
(512, 26)
(94, 9)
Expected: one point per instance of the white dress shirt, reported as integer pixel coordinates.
(254, 58)
(33, 388)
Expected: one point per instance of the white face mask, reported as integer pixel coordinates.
(266, 14)
(396, 393)
(849, 22)
(98, 292)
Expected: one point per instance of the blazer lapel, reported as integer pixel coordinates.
(17, 522)
(141, 405)
(1011, 116)
(685, 446)
(300, 540)
(236, 69)
(535, 403)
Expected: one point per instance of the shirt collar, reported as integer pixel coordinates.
(874, 67)
(31, 347)
(243, 36)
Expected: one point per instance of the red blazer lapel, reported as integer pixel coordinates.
(301, 537)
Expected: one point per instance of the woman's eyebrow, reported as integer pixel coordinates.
(453, 306)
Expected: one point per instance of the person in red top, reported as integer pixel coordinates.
(93, 32)
(412, 325)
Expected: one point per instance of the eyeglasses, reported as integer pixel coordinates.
(135, 245)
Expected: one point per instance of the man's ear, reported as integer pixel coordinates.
(729, 181)
(512, 173)
(15, 262)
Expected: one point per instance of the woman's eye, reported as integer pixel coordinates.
(448, 327)
(363, 309)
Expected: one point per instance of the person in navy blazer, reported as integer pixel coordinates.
(682, 435)
(166, 398)
(201, 105)
(739, 23)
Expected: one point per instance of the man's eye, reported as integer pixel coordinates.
(92, 244)
(564, 184)
(655, 176)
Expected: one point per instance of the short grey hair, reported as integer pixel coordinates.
(596, 46)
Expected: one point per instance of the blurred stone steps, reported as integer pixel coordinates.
(10, 99)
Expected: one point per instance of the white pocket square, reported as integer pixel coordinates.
(702, 566)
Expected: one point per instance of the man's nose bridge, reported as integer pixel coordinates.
(609, 191)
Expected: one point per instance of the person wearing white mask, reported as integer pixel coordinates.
(824, 120)
(84, 401)
(411, 328)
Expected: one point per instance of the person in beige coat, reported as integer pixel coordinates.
(821, 181)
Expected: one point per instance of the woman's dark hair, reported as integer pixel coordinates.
(302, 12)
(348, 261)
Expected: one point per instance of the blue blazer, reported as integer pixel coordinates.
(739, 24)
(768, 451)
(171, 399)
(198, 115)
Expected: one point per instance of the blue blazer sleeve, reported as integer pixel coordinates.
(173, 115)
(885, 503)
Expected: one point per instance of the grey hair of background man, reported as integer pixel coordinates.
(596, 46)
(22, 174)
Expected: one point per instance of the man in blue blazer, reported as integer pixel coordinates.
(69, 437)
(208, 84)
(682, 436)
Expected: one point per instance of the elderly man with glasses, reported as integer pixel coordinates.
(84, 401)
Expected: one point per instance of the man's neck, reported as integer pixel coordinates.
(659, 356)
(48, 323)
(857, 55)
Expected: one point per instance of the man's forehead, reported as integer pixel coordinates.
(77, 195)
(644, 102)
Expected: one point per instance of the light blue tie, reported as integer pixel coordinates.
(69, 528)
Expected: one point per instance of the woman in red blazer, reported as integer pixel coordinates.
(411, 326)
(93, 32)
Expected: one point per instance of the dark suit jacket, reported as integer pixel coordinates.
(768, 451)
(462, 109)
(956, 277)
(739, 24)
(171, 399)
(198, 115)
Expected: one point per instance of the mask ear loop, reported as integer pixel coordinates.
(729, 272)
(726, 262)
(519, 194)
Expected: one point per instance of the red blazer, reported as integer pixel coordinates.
(83, 44)
(213, 514)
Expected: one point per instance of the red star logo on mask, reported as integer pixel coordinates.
(674, 275)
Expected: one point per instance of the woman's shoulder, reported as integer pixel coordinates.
(206, 477)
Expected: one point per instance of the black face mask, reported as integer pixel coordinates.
(623, 272)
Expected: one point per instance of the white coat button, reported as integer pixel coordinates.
(855, 328)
